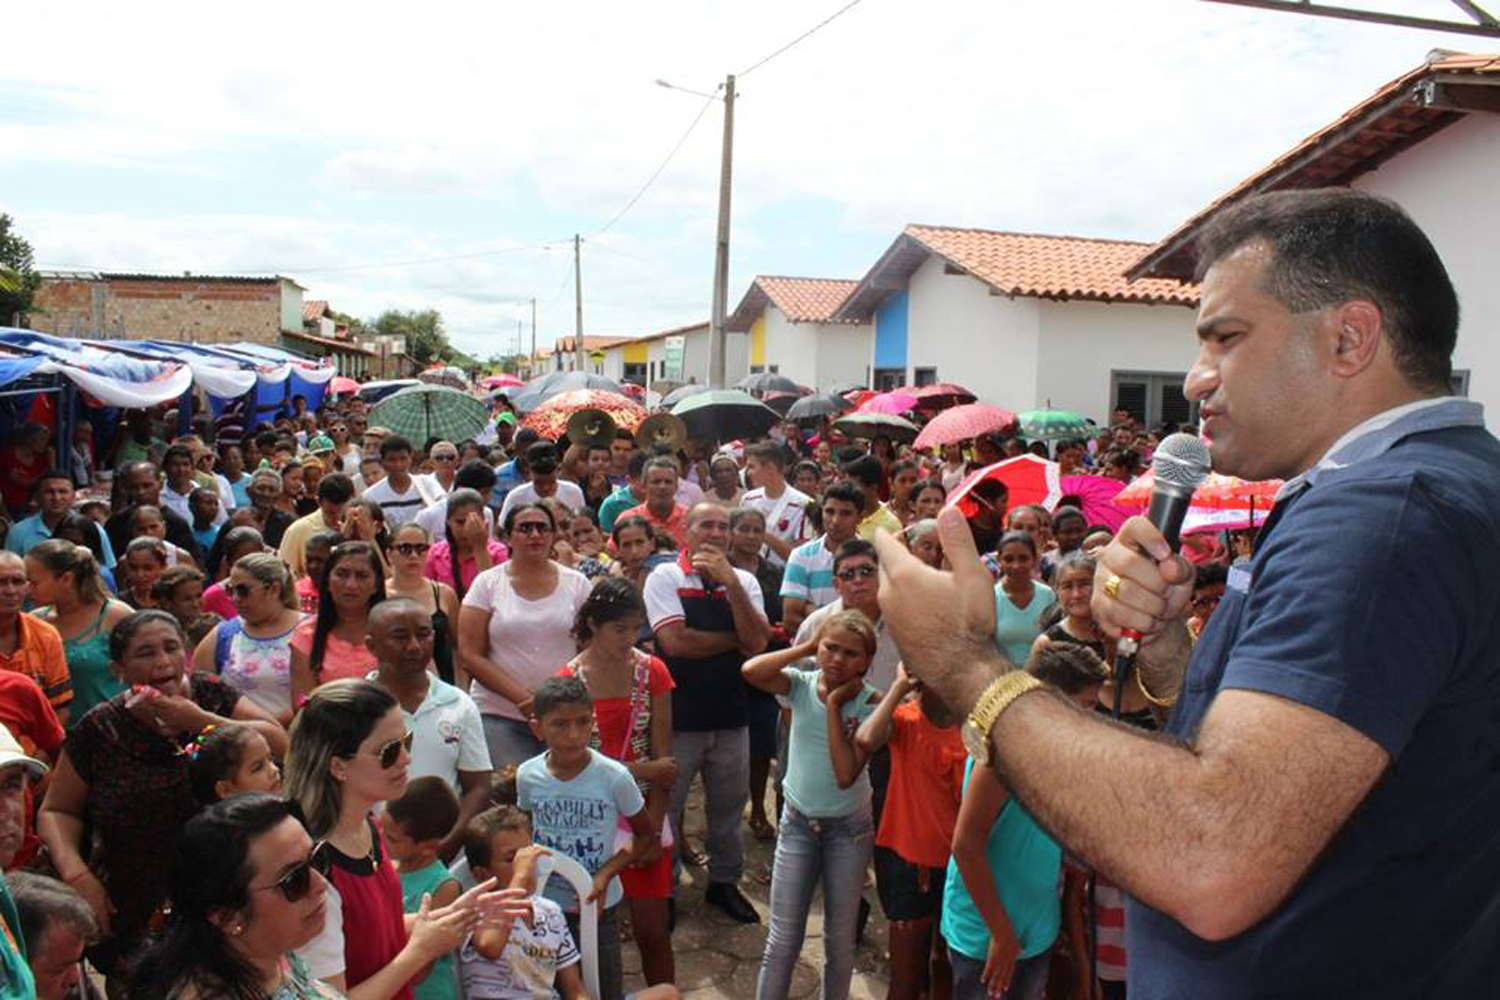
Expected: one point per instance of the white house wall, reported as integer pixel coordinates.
(843, 353)
(1446, 184)
(791, 347)
(1081, 344)
(987, 343)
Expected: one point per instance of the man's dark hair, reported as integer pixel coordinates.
(43, 901)
(427, 810)
(336, 488)
(635, 468)
(853, 549)
(1209, 575)
(48, 476)
(865, 470)
(393, 444)
(556, 692)
(475, 474)
(1331, 245)
(769, 452)
(177, 451)
(845, 492)
(1125, 458)
(482, 829)
(541, 456)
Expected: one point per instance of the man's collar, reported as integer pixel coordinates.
(1379, 434)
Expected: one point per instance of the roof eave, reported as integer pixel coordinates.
(880, 282)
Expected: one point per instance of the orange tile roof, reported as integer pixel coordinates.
(313, 310)
(1397, 116)
(801, 300)
(590, 342)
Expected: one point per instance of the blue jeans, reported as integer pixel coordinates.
(1028, 982)
(510, 741)
(837, 851)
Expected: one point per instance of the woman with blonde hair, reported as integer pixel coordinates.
(253, 652)
(65, 581)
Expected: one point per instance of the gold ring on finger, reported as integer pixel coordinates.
(1112, 588)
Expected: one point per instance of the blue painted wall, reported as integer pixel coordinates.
(890, 332)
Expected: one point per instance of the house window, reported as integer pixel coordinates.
(634, 371)
(887, 379)
(1460, 382)
(924, 376)
(757, 369)
(1153, 398)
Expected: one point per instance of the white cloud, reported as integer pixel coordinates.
(1068, 116)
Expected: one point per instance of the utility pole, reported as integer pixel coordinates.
(518, 342)
(531, 361)
(578, 299)
(716, 335)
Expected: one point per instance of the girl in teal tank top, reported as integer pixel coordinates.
(89, 666)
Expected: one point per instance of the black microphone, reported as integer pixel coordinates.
(1179, 466)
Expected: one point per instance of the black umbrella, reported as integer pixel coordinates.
(844, 387)
(763, 382)
(725, 415)
(682, 392)
(544, 387)
(811, 409)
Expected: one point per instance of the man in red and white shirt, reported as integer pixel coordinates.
(661, 508)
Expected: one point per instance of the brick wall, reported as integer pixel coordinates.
(203, 312)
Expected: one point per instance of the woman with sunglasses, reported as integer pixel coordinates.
(350, 752)
(409, 553)
(252, 888)
(121, 775)
(515, 629)
(252, 652)
(331, 645)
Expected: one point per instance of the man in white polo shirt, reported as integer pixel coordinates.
(447, 734)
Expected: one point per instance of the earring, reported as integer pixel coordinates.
(237, 930)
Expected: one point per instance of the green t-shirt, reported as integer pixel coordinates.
(442, 982)
(17, 982)
(614, 505)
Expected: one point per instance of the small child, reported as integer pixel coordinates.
(916, 827)
(577, 798)
(827, 823)
(231, 759)
(414, 826)
(1001, 912)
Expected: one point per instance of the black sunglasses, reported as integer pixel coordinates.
(412, 548)
(391, 752)
(856, 573)
(532, 528)
(240, 591)
(297, 881)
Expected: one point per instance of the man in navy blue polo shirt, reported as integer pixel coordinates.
(1325, 820)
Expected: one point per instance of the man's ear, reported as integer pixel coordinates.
(536, 727)
(1358, 332)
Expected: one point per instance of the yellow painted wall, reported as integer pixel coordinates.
(636, 354)
(758, 340)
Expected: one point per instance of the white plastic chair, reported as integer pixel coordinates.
(588, 913)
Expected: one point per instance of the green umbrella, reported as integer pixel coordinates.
(725, 415)
(1052, 425)
(871, 425)
(428, 411)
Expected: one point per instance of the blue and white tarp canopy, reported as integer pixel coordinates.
(110, 377)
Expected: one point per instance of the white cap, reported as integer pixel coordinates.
(11, 753)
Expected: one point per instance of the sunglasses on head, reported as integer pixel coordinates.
(412, 548)
(391, 752)
(856, 573)
(297, 881)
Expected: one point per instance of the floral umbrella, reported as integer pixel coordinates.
(959, 423)
(445, 375)
(1220, 503)
(942, 395)
(1052, 425)
(550, 419)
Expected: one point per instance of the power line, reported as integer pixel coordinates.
(658, 172)
(806, 34)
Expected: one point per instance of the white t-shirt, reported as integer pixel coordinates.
(438, 489)
(447, 735)
(568, 493)
(433, 518)
(526, 970)
(789, 523)
(530, 640)
(399, 508)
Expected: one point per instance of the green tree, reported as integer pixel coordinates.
(423, 330)
(18, 278)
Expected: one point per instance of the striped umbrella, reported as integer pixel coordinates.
(431, 411)
(1053, 425)
(550, 419)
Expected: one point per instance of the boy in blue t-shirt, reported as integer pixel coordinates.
(578, 798)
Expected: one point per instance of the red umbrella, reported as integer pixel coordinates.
(635, 392)
(858, 397)
(338, 385)
(550, 419)
(500, 382)
(1096, 495)
(889, 402)
(942, 395)
(1217, 492)
(962, 422)
(1027, 478)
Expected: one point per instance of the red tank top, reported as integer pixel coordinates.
(374, 927)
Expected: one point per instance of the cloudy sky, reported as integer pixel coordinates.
(443, 154)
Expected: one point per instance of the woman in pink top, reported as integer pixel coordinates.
(332, 645)
(238, 542)
(466, 550)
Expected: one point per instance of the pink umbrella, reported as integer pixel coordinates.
(338, 385)
(963, 422)
(889, 402)
(1096, 496)
(501, 382)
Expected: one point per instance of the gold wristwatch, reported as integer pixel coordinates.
(996, 698)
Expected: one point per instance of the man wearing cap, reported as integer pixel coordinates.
(475, 474)
(513, 473)
(541, 460)
(325, 451)
(264, 489)
(17, 772)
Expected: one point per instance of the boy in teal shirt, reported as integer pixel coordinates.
(414, 826)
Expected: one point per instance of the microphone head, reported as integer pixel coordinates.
(1181, 462)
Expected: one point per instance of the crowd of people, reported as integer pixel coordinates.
(316, 704)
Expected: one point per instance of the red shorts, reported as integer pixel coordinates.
(651, 882)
